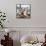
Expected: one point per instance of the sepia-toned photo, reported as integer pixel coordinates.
(23, 11)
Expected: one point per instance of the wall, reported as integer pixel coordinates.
(37, 22)
(38, 13)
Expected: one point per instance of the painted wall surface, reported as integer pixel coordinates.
(37, 22)
(38, 13)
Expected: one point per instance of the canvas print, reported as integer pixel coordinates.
(23, 11)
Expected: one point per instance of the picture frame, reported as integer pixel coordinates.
(23, 11)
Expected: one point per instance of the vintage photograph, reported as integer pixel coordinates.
(23, 11)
